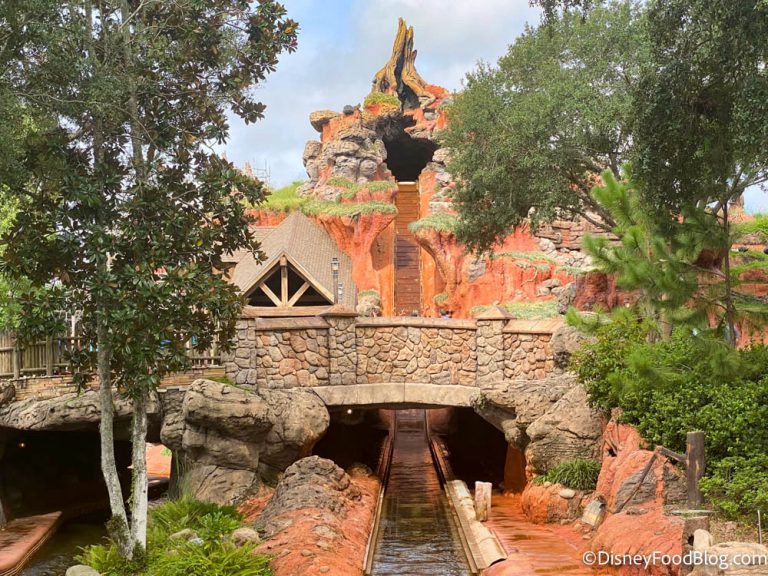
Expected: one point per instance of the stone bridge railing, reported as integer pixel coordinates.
(340, 349)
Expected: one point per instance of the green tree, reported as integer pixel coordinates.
(701, 120)
(673, 261)
(124, 210)
(530, 135)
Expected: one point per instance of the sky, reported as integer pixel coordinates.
(343, 43)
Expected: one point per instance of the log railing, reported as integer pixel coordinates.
(48, 357)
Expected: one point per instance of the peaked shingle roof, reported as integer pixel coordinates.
(259, 233)
(309, 246)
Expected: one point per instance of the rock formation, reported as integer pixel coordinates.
(318, 520)
(233, 439)
(549, 420)
(68, 412)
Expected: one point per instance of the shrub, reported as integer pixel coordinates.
(188, 513)
(684, 383)
(440, 297)
(224, 559)
(216, 555)
(579, 474)
(381, 98)
(738, 487)
(601, 364)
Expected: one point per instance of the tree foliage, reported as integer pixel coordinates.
(673, 261)
(124, 209)
(701, 120)
(533, 132)
(673, 386)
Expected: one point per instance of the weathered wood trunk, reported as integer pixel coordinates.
(695, 463)
(483, 492)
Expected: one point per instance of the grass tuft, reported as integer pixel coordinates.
(578, 474)
(440, 221)
(318, 207)
(381, 98)
(530, 256)
(284, 199)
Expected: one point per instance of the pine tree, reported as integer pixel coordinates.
(679, 263)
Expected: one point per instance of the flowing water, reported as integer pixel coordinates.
(417, 536)
(58, 553)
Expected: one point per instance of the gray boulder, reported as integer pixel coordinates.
(514, 408)
(233, 439)
(565, 341)
(81, 570)
(570, 429)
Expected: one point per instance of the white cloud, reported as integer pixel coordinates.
(341, 46)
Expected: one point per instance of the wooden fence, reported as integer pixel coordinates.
(49, 357)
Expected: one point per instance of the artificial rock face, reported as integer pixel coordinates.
(233, 439)
(549, 420)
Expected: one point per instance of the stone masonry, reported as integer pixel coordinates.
(340, 349)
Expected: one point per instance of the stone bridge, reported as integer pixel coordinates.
(383, 362)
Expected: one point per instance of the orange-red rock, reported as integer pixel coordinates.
(318, 542)
(543, 504)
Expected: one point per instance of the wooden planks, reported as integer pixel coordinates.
(407, 263)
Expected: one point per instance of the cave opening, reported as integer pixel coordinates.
(477, 450)
(406, 156)
(354, 437)
(45, 471)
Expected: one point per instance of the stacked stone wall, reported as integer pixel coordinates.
(416, 353)
(341, 350)
(280, 353)
(528, 356)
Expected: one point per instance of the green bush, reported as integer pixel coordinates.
(601, 365)
(579, 474)
(214, 556)
(684, 383)
(223, 559)
(737, 487)
(440, 297)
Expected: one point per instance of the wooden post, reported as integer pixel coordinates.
(49, 356)
(694, 467)
(483, 500)
(16, 360)
(3, 517)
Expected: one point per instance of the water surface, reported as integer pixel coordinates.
(417, 536)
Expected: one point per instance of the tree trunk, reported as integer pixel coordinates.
(139, 495)
(730, 310)
(118, 525)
